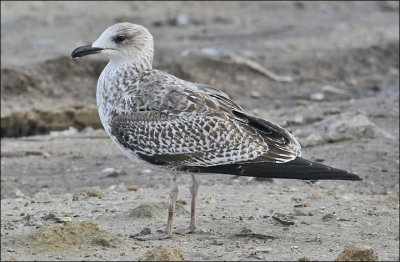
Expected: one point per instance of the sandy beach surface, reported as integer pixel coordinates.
(68, 193)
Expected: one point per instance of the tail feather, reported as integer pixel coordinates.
(298, 168)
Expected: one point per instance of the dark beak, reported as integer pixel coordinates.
(85, 50)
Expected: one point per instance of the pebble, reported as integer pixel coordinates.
(63, 219)
(46, 155)
(133, 188)
(145, 231)
(217, 242)
(210, 200)
(19, 193)
(357, 253)
(146, 171)
(181, 202)
(328, 217)
(255, 94)
(182, 20)
(317, 96)
(95, 193)
(78, 156)
(42, 197)
(108, 169)
(163, 253)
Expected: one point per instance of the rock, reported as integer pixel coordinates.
(211, 200)
(108, 169)
(328, 217)
(357, 253)
(156, 210)
(255, 94)
(42, 197)
(339, 127)
(19, 193)
(63, 219)
(95, 193)
(145, 231)
(217, 242)
(317, 96)
(181, 202)
(133, 188)
(163, 254)
(104, 241)
(182, 20)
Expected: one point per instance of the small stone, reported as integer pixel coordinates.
(19, 193)
(280, 214)
(50, 216)
(133, 188)
(75, 197)
(217, 242)
(103, 241)
(317, 96)
(181, 202)
(357, 253)
(146, 171)
(246, 230)
(211, 200)
(46, 155)
(145, 231)
(42, 197)
(255, 94)
(78, 156)
(182, 20)
(95, 193)
(108, 169)
(165, 253)
(63, 219)
(328, 217)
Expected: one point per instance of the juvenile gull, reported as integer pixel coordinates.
(187, 127)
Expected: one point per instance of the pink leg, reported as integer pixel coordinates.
(192, 227)
(168, 231)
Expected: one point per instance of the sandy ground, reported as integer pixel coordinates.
(72, 195)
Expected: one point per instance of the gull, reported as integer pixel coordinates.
(187, 127)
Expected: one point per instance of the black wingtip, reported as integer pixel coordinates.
(298, 168)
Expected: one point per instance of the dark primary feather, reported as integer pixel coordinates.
(282, 146)
(298, 168)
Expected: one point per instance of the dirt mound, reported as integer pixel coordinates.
(43, 121)
(70, 235)
(163, 254)
(156, 210)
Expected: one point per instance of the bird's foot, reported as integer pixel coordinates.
(153, 236)
(181, 231)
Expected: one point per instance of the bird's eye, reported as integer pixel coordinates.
(119, 38)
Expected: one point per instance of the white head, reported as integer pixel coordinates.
(122, 43)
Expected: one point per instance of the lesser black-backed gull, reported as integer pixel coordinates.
(187, 127)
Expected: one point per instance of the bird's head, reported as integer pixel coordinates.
(122, 43)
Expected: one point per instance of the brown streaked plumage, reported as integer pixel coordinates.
(187, 127)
